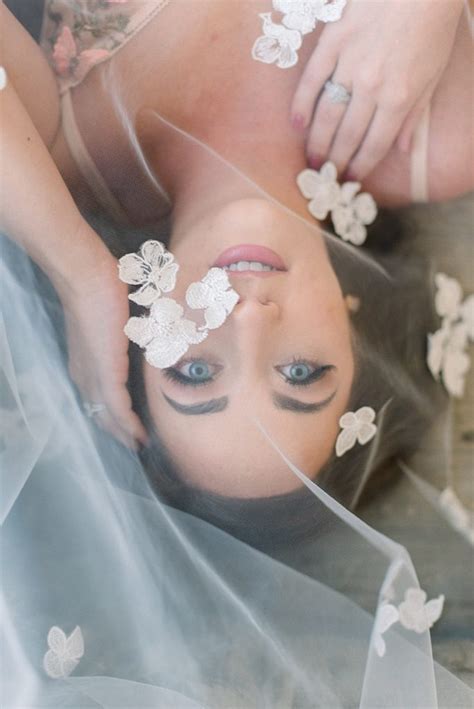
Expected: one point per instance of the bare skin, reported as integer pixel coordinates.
(255, 103)
(238, 106)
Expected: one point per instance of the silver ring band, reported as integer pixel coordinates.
(92, 408)
(337, 93)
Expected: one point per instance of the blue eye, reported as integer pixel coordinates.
(192, 372)
(299, 372)
(303, 373)
(197, 371)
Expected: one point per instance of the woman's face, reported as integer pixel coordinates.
(283, 358)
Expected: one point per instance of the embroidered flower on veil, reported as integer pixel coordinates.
(350, 212)
(417, 614)
(414, 613)
(64, 652)
(153, 267)
(447, 357)
(165, 334)
(214, 295)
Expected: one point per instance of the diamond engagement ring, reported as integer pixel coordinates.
(337, 93)
(91, 408)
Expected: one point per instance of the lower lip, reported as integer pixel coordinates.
(250, 252)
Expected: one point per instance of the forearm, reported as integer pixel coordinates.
(37, 210)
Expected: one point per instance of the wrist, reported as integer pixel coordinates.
(84, 267)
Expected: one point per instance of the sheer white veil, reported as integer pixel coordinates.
(126, 586)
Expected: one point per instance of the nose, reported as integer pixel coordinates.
(256, 310)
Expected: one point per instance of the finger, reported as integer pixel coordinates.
(117, 417)
(407, 131)
(106, 422)
(327, 117)
(351, 132)
(317, 71)
(119, 405)
(380, 137)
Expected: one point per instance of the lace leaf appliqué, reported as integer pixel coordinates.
(350, 212)
(280, 42)
(447, 358)
(386, 617)
(214, 295)
(64, 652)
(153, 268)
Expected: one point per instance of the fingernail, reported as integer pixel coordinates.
(297, 121)
(315, 161)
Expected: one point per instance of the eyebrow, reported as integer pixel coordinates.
(206, 407)
(215, 405)
(289, 404)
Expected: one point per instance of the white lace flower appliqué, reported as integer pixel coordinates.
(153, 268)
(280, 42)
(64, 652)
(447, 357)
(356, 426)
(214, 295)
(165, 334)
(350, 212)
(414, 613)
(417, 614)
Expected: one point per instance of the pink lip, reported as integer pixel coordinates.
(250, 252)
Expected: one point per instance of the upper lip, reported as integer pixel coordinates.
(250, 252)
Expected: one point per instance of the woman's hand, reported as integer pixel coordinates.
(96, 309)
(390, 55)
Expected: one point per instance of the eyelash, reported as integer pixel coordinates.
(173, 374)
(318, 373)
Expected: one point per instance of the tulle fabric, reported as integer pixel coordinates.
(174, 612)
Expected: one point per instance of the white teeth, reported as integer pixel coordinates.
(243, 266)
(249, 266)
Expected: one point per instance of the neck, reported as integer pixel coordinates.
(200, 178)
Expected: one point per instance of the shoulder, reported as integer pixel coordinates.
(31, 75)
